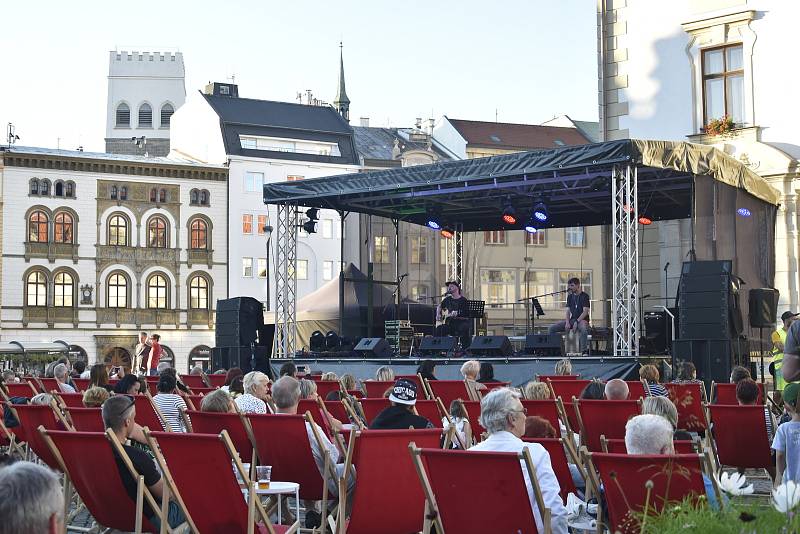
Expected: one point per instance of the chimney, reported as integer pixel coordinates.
(364, 122)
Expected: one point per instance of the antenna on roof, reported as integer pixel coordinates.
(495, 115)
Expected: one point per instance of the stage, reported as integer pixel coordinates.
(518, 371)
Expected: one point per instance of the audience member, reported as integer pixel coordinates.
(255, 396)
(77, 369)
(236, 389)
(747, 395)
(119, 414)
(469, 370)
(594, 390)
(563, 367)
(160, 368)
(218, 401)
(687, 374)
(31, 501)
(94, 397)
(348, 382)
(98, 377)
(787, 439)
(486, 373)
(426, 369)
(538, 427)
(174, 374)
(61, 374)
(616, 389)
(329, 377)
(196, 371)
(169, 403)
(535, 390)
(459, 418)
(665, 408)
(384, 374)
(288, 369)
(739, 373)
(503, 417)
(649, 373)
(308, 389)
(232, 373)
(42, 399)
(400, 415)
(10, 377)
(128, 385)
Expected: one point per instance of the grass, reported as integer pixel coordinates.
(736, 518)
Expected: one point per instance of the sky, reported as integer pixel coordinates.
(517, 61)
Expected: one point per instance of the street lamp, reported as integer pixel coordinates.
(268, 230)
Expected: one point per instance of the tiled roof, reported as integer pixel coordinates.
(521, 136)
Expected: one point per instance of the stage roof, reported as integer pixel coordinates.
(574, 182)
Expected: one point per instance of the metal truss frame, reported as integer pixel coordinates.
(453, 256)
(285, 281)
(625, 269)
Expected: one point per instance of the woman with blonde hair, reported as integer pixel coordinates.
(384, 374)
(564, 367)
(470, 370)
(329, 377)
(94, 397)
(535, 390)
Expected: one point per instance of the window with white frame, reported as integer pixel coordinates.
(327, 228)
(302, 269)
(539, 239)
(247, 267)
(381, 249)
(498, 286)
(419, 249)
(254, 182)
(574, 237)
(261, 267)
(723, 83)
(584, 276)
(494, 237)
(419, 292)
(327, 270)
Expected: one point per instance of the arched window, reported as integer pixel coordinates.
(157, 292)
(37, 227)
(113, 192)
(63, 226)
(123, 116)
(198, 293)
(69, 190)
(117, 291)
(63, 288)
(36, 289)
(166, 114)
(157, 233)
(34, 187)
(198, 235)
(145, 116)
(123, 193)
(44, 188)
(118, 230)
(153, 195)
(193, 197)
(204, 198)
(58, 190)
(162, 195)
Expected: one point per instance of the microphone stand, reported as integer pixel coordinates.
(535, 300)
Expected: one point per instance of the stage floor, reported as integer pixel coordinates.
(518, 371)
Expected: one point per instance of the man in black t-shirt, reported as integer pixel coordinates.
(454, 310)
(400, 415)
(577, 316)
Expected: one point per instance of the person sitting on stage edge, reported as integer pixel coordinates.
(426, 369)
(535, 390)
(453, 309)
(577, 314)
(486, 374)
(594, 390)
(563, 367)
(649, 373)
(469, 370)
(617, 389)
(400, 415)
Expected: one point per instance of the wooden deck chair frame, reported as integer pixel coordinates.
(156, 409)
(426, 387)
(13, 445)
(456, 438)
(329, 469)
(709, 443)
(432, 516)
(325, 413)
(7, 397)
(576, 405)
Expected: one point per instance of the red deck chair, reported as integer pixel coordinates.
(740, 436)
(203, 390)
(87, 419)
(560, 462)
(9, 437)
(566, 389)
(193, 402)
(375, 389)
(71, 400)
(617, 446)
(372, 407)
(474, 414)
(81, 383)
(689, 399)
(146, 414)
(193, 381)
(31, 417)
(547, 378)
(547, 409)
(308, 405)
(326, 386)
(429, 409)
(448, 477)
(496, 384)
(604, 417)
(726, 394)
(233, 423)
(636, 389)
(337, 410)
(83, 456)
(416, 379)
(448, 391)
(21, 389)
(48, 384)
(624, 477)
(211, 497)
(381, 456)
(216, 381)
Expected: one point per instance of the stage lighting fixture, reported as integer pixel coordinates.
(447, 233)
(433, 222)
(317, 341)
(312, 214)
(540, 212)
(744, 212)
(510, 215)
(531, 227)
(332, 340)
(646, 221)
(310, 227)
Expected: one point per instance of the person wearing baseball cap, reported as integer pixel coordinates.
(400, 415)
(787, 454)
(778, 343)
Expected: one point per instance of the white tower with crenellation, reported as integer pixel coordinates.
(144, 90)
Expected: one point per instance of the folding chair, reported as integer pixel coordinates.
(202, 390)
(31, 417)
(371, 407)
(375, 389)
(147, 414)
(473, 415)
(548, 409)
(86, 419)
(70, 400)
(562, 453)
(356, 393)
(689, 399)
(282, 441)
(81, 383)
(216, 381)
(567, 389)
(381, 455)
(9, 438)
(493, 479)
(604, 417)
(47, 385)
(449, 390)
(624, 478)
(193, 402)
(617, 446)
(318, 412)
(739, 436)
(236, 424)
(429, 409)
(194, 381)
(417, 380)
(326, 386)
(337, 410)
(726, 394)
(20, 389)
(548, 378)
(211, 498)
(83, 456)
(636, 389)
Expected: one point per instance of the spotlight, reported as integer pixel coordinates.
(317, 341)
(540, 212)
(510, 215)
(332, 340)
(433, 222)
(645, 221)
(531, 227)
(447, 233)
(744, 212)
(312, 214)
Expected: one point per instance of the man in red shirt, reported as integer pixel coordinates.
(155, 354)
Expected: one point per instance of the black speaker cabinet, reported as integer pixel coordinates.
(237, 321)
(763, 307)
(543, 344)
(491, 346)
(373, 347)
(437, 345)
(713, 358)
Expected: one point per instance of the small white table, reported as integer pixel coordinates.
(280, 489)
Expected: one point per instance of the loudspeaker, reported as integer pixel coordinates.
(658, 331)
(373, 347)
(491, 346)
(266, 335)
(246, 305)
(763, 307)
(709, 301)
(543, 344)
(229, 357)
(713, 358)
(237, 321)
(434, 346)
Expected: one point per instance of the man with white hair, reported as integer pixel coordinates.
(255, 385)
(616, 389)
(61, 374)
(31, 501)
(161, 366)
(503, 416)
(470, 370)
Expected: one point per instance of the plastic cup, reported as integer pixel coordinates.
(263, 474)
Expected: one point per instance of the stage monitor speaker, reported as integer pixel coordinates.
(241, 357)
(373, 347)
(543, 344)
(437, 345)
(763, 307)
(491, 346)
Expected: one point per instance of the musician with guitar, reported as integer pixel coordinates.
(451, 315)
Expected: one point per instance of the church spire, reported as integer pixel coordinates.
(342, 103)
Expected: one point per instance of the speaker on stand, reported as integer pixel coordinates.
(763, 307)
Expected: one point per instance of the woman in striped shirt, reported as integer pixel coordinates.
(649, 373)
(169, 403)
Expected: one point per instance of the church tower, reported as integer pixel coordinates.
(342, 103)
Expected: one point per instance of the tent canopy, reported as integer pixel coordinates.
(573, 182)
